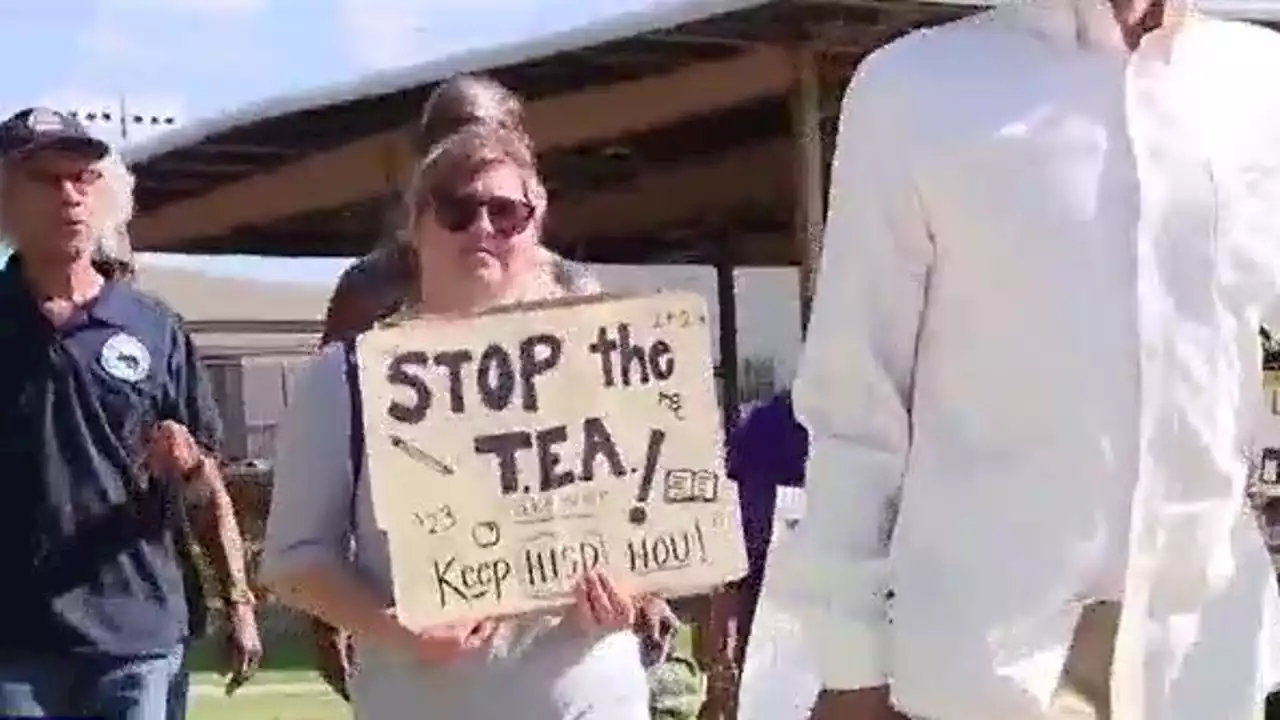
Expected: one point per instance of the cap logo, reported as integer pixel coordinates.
(44, 120)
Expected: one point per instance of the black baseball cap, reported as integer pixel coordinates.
(40, 128)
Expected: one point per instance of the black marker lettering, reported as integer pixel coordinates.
(662, 361)
(553, 478)
(466, 583)
(631, 356)
(605, 346)
(506, 447)
(539, 354)
(406, 370)
(455, 361)
(496, 378)
(597, 442)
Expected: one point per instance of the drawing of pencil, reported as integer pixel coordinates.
(420, 455)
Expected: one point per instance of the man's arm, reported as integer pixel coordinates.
(853, 392)
(189, 437)
(217, 533)
(190, 404)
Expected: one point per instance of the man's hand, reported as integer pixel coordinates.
(865, 704)
(171, 452)
(243, 649)
(333, 656)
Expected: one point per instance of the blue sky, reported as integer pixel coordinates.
(193, 58)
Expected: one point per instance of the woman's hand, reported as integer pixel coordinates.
(601, 606)
(656, 626)
(441, 644)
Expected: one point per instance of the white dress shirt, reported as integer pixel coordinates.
(1032, 363)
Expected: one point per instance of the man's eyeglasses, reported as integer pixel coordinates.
(507, 216)
(81, 180)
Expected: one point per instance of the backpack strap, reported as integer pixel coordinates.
(356, 432)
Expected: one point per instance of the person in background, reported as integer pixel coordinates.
(1030, 369)
(767, 450)
(474, 209)
(101, 385)
(380, 284)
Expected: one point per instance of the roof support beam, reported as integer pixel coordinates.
(371, 166)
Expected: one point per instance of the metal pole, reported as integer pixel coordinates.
(806, 133)
(124, 120)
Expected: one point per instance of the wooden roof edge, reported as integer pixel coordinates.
(386, 82)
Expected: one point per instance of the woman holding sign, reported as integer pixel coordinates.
(476, 206)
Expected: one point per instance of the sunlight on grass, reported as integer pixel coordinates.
(314, 705)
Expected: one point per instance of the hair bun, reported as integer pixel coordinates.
(466, 99)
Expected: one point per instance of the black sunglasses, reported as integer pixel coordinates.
(507, 216)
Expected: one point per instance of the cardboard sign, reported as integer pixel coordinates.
(1267, 438)
(511, 452)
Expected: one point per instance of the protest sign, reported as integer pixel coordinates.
(509, 453)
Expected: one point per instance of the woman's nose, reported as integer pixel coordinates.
(482, 225)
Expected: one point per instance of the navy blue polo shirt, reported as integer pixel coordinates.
(89, 544)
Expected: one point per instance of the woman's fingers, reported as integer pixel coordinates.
(585, 602)
(481, 632)
(602, 602)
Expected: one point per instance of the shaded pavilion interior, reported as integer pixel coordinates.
(659, 145)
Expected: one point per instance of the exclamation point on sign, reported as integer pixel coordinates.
(639, 513)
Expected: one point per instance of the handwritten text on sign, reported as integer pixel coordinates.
(511, 453)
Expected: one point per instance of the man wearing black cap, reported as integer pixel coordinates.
(108, 434)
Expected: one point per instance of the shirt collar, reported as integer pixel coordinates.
(1092, 25)
(111, 306)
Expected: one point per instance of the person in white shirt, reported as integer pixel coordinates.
(1031, 368)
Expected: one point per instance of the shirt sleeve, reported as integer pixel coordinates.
(313, 490)
(853, 390)
(189, 398)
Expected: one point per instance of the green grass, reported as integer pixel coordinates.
(315, 705)
(287, 654)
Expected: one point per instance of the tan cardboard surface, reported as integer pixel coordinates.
(507, 453)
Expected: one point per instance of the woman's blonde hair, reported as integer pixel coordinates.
(457, 160)
(462, 156)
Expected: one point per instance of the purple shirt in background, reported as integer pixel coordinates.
(767, 449)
